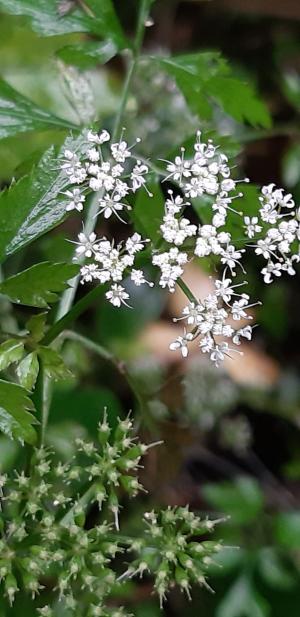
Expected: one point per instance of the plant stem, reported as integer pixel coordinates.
(69, 318)
(186, 290)
(65, 314)
(142, 16)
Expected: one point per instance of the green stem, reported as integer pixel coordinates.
(142, 16)
(69, 318)
(65, 314)
(69, 295)
(186, 290)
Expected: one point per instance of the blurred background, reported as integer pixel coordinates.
(231, 435)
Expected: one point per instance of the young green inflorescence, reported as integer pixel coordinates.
(46, 545)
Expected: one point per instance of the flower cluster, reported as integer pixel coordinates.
(109, 263)
(46, 543)
(175, 557)
(279, 245)
(205, 174)
(109, 170)
(212, 321)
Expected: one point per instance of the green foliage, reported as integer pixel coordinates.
(53, 364)
(28, 370)
(88, 53)
(38, 285)
(16, 421)
(287, 529)
(243, 500)
(242, 601)
(30, 207)
(108, 22)
(147, 215)
(18, 114)
(45, 18)
(10, 351)
(206, 77)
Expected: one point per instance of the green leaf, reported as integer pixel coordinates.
(206, 77)
(108, 22)
(239, 100)
(45, 18)
(287, 529)
(148, 212)
(16, 421)
(88, 53)
(242, 600)
(28, 370)
(38, 285)
(36, 325)
(273, 569)
(242, 500)
(53, 364)
(10, 351)
(18, 114)
(33, 205)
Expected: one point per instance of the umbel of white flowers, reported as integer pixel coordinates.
(113, 172)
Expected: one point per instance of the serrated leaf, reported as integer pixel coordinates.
(53, 364)
(148, 212)
(10, 351)
(88, 53)
(36, 325)
(34, 205)
(19, 114)
(28, 370)
(206, 77)
(239, 100)
(46, 19)
(16, 421)
(38, 285)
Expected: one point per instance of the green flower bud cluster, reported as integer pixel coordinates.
(45, 542)
(171, 551)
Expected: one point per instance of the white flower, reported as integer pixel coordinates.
(120, 151)
(182, 343)
(179, 168)
(98, 139)
(137, 176)
(238, 309)
(251, 226)
(219, 352)
(117, 295)
(245, 332)
(138, 278)
(134, 244)
(89, 273)
(271, 269)
(87, 245)
(111, 205)
(77, 200)
(93, 155)
(265, 247)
